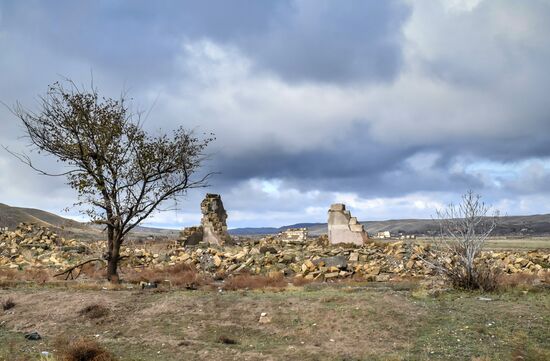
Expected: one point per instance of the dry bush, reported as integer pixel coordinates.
(92, 271)
(83, 350)
(178, 275)
(37, 275)
(248, 281)
(300, 281)
(7, 274)
(482, 277)
(8, 304)
(517, 280)
(94, 311)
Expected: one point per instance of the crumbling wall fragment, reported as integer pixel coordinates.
(343, 228)
(191, 236)
(213, 220)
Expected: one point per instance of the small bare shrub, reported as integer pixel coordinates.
(94, 311)
(464, 228)
(8, 304)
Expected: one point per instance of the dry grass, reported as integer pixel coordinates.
(300, 281)
(8, 304)
(178, 275)
(523, 280)
(94, 311)
(251, 282)
(83, 350)
(35, 275)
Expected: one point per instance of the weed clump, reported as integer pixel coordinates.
(84, 350)
(94, 311)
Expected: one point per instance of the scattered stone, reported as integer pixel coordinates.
(33, 336)
(264, 319)
(147, 285)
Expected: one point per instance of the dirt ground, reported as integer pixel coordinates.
(346, 321)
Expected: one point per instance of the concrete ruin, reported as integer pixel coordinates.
(343, 228)
(213, 220)
(293, 235)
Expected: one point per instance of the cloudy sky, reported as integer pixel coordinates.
(392, 107)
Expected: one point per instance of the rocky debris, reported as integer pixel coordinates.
(264, 318)
(316, 260)
(213, 220)
(32, 245)
(33, 336)
(343, 228)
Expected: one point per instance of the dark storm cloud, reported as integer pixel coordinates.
(333, 42)
(302, 40)
(310, 100)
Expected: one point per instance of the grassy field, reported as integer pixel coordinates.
(495, 243)
(345, 321)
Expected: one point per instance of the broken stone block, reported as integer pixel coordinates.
(343, 228)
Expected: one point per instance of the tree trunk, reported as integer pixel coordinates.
(112, 264)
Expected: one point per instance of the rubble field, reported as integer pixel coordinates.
(33, 247)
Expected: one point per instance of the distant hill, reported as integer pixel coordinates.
(11, 216)
(272, 230)
(510, 225)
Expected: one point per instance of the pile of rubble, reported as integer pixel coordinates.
(316, 259)
(288, 253)
(37, 246)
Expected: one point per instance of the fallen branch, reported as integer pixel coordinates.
(69, 271)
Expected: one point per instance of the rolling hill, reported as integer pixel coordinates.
(11, 216)
(511, 225)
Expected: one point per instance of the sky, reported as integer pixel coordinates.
(394, 108)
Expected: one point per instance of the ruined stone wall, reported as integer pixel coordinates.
(213, 220)
(343, 228)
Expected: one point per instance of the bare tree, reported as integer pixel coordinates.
(121, 173)
(463, 231)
